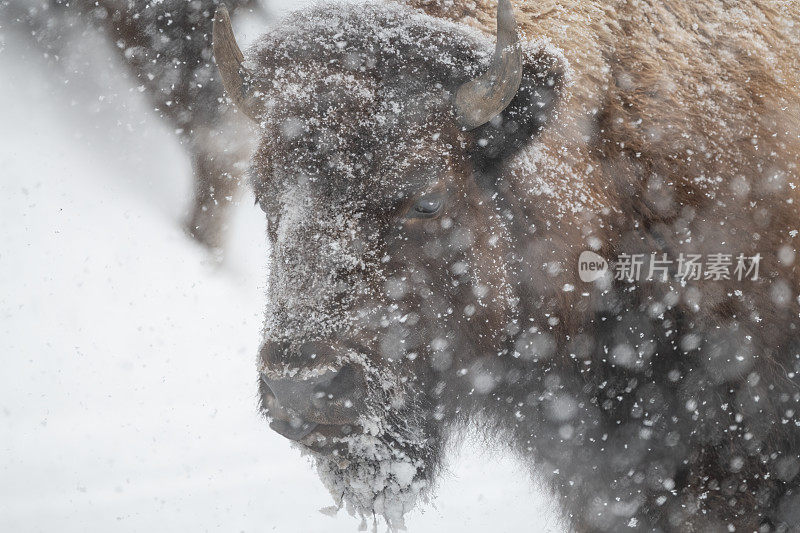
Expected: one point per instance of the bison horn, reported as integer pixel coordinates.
(480, 100)
(237, 79)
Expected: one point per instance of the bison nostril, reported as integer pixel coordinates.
(327, 397)
(342, 389)
(294, 429)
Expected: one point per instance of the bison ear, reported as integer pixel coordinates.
(533, 106)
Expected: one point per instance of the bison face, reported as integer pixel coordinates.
(389, 271)
(378, 294)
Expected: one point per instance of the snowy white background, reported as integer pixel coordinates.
(127, 370)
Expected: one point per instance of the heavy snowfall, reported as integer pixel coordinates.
(508, 266)
(127, 391)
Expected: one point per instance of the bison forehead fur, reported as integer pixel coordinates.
(661, 128)
(357, 122)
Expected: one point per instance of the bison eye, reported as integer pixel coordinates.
(426, 207)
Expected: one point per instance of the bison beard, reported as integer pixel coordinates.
(388, 466)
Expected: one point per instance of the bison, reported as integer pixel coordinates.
(166, 47)
(428, 198)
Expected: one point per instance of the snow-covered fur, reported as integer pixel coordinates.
(640, 127)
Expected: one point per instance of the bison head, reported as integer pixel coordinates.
(390, 288)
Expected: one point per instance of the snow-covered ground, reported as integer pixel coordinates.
(127, 358)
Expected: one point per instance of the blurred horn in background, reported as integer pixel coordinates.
(236, 78)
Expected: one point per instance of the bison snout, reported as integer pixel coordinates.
(311, 398)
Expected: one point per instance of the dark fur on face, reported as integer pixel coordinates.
(653, 407)
(358, 127)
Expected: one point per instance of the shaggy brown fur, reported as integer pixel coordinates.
(673, 105)
(679, 133)
(666, 127)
